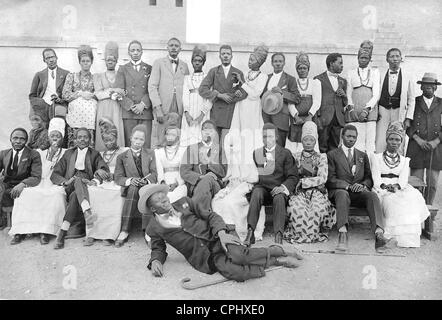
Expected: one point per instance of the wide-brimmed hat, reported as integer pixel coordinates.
(271, 102)
(145, 193)
(430, 78)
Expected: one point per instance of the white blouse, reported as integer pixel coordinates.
(370, 78)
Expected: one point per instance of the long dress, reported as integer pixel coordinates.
(311, 213)
(231, 202)
(107, 203)
(247, 119)
(108, 108)
(40, 209)
(167, 160)
(194, 104)
(404, 210)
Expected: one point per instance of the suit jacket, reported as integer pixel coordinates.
(164, 82)
(29, 167)
(274, 173)
(330, 102)
(40, 83)
(192, 168)
(194, 239)
(215, 82)
(408, 95)
(125, 167)
(290, 95)
(339, 172)
(135, 83)
(65, 167)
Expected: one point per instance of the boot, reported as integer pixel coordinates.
(250, 238)
(59, 242)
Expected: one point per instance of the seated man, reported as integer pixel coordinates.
(201, 167)
(349, 183)
(202, 237)
(75, 171)
(20, 167)
(134, 169)
(277, 178)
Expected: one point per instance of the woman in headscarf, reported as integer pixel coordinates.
(310, 90)
(404, 206)
(38, 135)
(108, 95)
(363, 93)
(41, 209)
(78, 90)
(196, 108)
(105, 199)
(311, 214)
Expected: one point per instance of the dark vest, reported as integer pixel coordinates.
(138, 164)
(387, 101)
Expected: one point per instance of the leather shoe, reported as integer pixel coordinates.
(88, 242)
(120, 243)
(44, 238)
(250, 238)
(59, 242)
(342, 241)
(107, 242)
(16, 239)
(288, 262)
(278, 238)
(382, 244)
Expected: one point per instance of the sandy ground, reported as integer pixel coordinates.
(32, 271)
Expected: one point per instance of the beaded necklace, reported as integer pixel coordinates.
(56, 156)
(392, 161)
(300, 85)
(365, 81)
(252, 75)
(108, 157)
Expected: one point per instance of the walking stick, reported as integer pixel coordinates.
(187, 283)
(354, 253)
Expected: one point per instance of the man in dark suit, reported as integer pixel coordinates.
(134, 169)
(201, 167)
(20, 167)
(277, 179)
(78, 168)
(349, 183)
(222, 88)
(281, 82)
(46, 89)
(330, 116)
(137, 107)
(203, 238)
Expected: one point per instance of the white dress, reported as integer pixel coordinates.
(404, 210)
(107, 203)
(167, 160)
(247, 119)
(40, 209)
(231, 202)
(194, 104)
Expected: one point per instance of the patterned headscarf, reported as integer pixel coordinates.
(260, 54)
(111, 49)
(57, 124)
(85, 50)
(396, 127)
(199, 51)
(107, 127)
(302, 59)
(309, 129)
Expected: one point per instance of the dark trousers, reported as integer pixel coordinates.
(204, 192)
(76, 193)
(129, 124)
(343, 199)
(5, 194)
(329, 136)
(282, 137)
(261, 196)
(130, 208)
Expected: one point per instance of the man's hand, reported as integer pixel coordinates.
(17, 190)
(102, 174)
(157, 268)
(189, 118)
(277, 190)
(89, 182)
(340, 92)
(434, 143)
(211, 174)
(68, 182)
(135, 182)
(424, 145)
(363, 115)
(173, 186)
(407, 124)
(225, 97)
(298, 186)
(226, 239)
(160, 115)
(237, 78)
(137, 108)
(357, 187)
(298, 119)
(277, 90)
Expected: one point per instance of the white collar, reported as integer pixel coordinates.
(136, 151)
(135, 63)
(398, 70)
(277, 74)
(82, 151)
(271, 149)
(345, 149)
(19, 152)
(170, 58)
(55, 70)
(332, 75)
(224, 67)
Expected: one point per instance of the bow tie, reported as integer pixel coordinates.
(393, 72)
(333, 75)
(174, 61)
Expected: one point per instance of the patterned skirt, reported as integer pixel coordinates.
(311, 216)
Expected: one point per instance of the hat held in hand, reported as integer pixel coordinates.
(271, 102)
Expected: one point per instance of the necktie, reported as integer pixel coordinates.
(52, 74)
(350, 158)
(174, 61)
(15, 162)
(136, 67)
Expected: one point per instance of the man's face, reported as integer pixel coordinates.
(174, 48)
(278, 63)
(18, 140)
(394, 59)
(50, 59)
(137, 140)
(85, 63)
(160, 203)
(111, 63)
(302, 71)
(197, 63)
(82, 139)
(349, 138)
(225, 56)
(135, 52)
(269, 138)
(208, 133)
(55, 138)
(337, 66)
(428, 90)
(363, 61)
(171, 137)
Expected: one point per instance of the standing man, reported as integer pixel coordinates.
(330, 116)
(137, 107)
(220, 86)
(424, 147)
(397, 98)
(47, 87)
(281, 82)
(166, 89)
